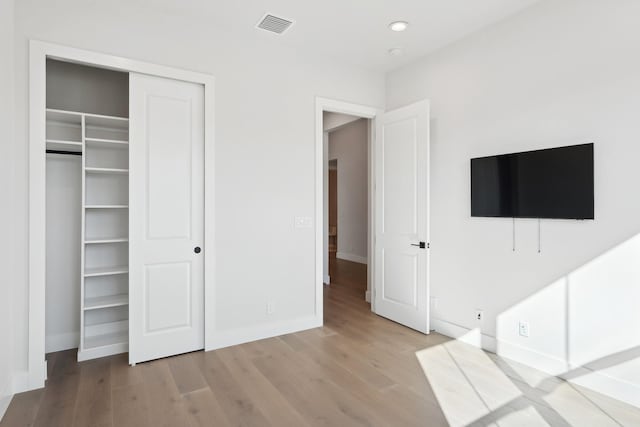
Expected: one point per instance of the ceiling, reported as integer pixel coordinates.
(354, 31)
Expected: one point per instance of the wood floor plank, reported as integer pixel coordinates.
(271, 403)
(166, 407)
(131, 406)
(23, 409)
(307, 386)
(205, 410)
(123, 375)
(236, 403)
(58, 402)
(379, 403)
(186, 374)
(93, 404)
(350, 360)
(64, 363)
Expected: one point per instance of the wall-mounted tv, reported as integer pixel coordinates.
(553, 183)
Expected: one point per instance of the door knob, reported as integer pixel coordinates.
(197, 249)
(421, 245)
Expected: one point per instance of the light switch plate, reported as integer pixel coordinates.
(523, 329)
(303, 222)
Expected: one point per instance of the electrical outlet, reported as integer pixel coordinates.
(479, 315)
(523, 329)
(271, 308)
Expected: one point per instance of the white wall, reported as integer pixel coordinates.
(64, 204)
(562, 72)
(6, 194)
(348, 145)
(265, 113)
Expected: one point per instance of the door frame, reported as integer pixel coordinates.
(38, 53)
(321, 182)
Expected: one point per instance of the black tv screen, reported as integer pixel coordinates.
(553, 183)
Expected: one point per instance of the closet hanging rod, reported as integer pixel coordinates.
(69, 153)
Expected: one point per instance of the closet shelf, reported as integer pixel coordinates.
(106, 340)
(54, 112)
(64, 117)
(106, 170)
(60, 145)
(106, 122)
(97, 241)
(106, 271)
(101, 141)
(106, 301)
(106, 206)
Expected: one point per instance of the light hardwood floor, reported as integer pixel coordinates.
(359, 369)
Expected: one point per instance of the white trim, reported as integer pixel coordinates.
(367, 296)
(20, 382)
(60, 342)
(544, 362)
(351, 257)
(4, 404)
(335, 106)
(270, 330)
(38, 52)
(603, 383)
(470, 336)
(325, 203)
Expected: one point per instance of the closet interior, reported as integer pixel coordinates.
(87, 218)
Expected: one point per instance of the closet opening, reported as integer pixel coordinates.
(86, 210)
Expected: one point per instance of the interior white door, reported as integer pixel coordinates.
(402, 216)
(166, 217)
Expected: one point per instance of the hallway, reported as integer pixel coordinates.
(348, 276)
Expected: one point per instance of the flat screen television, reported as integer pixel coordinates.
(553, 183)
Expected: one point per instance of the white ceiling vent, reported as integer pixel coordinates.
(274, 24)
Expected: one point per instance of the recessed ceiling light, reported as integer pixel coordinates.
(398, 26)
(396, 51)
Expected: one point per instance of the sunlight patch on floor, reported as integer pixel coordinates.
(475, 388)
(577, 409)
(466, 382)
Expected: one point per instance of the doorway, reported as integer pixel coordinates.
(348, 166)
(398, 163)
(369, 114)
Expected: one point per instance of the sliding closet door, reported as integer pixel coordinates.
(166, 217)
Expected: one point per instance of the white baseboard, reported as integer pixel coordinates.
(327, 279)
(60, 342)
(367, 296)
(544, 362)
(597, 381)
(473, 337)
(255, 333)
(21, 382)
(4, 404)
(351, 257)
(29, 380)
(603, 383)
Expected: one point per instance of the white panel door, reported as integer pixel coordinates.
(166, 315)
(402, 216)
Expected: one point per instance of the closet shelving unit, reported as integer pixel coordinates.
(102, 141)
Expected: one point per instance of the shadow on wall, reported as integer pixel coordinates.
(584, 328)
